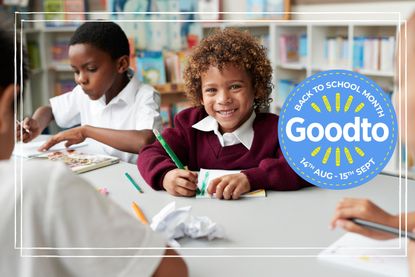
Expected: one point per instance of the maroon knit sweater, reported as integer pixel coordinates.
(263, 164)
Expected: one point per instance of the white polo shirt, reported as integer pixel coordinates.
(244, 134)
(58, 210)
(136, 107)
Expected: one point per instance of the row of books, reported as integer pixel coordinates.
(152, 67)
(64, 12)
(168, 112)
(293, 48)
(369, 53)
(159, 67)
(336, 51)
(374, 53)
(63, 85)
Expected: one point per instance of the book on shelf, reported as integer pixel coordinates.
(374, 53)
(172, 64)
(387, 54)
(53, 12)
(80, 162)
(166, 116)
(180, 106)
(150, 67)
(34, 55)
(293, 48)
(64, 85)
(168, 112)
(60, 49)
(96, 5)
(302, 48)
(336, 51)
(74, 9)
(288, 49)
(358, 52)
(284, 87)
(60, 13)
(175, 63)
(133, 63)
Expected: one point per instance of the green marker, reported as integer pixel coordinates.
(170, 152)
(133, 182)
(168, 149)
(204, 185)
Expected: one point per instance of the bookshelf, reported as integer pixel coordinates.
(320, 46)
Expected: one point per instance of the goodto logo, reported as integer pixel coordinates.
(337, 129)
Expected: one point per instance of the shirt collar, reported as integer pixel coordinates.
(245, 133)
(127, 94)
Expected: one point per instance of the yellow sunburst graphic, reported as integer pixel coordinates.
(337, 150)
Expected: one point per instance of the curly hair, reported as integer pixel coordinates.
(230, 46)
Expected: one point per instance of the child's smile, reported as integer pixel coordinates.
(227, 96)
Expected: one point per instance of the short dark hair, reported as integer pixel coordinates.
(7, 65)
(106, 36)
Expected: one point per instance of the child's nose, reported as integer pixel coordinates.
(82, 78)
(224, 97)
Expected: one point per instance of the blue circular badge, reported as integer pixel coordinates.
(337, 129)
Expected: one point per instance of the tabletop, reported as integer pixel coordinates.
(281, 233)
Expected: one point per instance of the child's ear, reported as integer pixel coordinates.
(123, 63)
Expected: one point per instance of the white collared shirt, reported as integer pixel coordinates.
(244, 134)
(136, 107)
(61, 210)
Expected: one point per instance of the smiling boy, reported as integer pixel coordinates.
(228, 78)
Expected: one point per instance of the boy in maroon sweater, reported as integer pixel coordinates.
(228, 78)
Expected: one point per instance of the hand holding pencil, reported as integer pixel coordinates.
(27, 130)
(180, 181)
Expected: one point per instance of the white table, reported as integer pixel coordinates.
(294, 222)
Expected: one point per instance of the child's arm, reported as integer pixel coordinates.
(33, 126)
(155, 165)
(367, 210)
(130, 141)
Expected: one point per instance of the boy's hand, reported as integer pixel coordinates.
(180, 182)
(30, 129)
(72, 136)
(229, 186)
(363, 209)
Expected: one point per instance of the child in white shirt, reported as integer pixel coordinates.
(112, 107)
(49, 211)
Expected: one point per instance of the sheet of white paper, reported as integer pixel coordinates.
(207, 175)
(176, 223)
(29, 150)
(368, 254)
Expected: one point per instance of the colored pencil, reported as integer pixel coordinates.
(139, 213)
(134, 183)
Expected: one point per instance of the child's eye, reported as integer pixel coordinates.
(92, 69)
(210, 90)
(235, 86)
